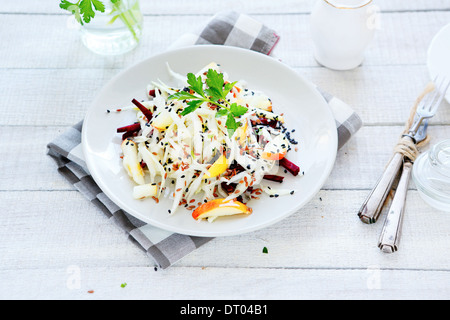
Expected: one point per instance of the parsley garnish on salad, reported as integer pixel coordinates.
(215, 94)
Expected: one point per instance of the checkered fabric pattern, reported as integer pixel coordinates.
(164, 247)
(233, 29)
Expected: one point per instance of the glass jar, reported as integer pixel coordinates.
(116, 31)
(341, 30)
(431, 174)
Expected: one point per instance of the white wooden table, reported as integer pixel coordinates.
(50, 235)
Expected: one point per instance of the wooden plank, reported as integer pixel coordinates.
(184, 7)
(25, 165)
(322, 251)
(325, 234)
(142, 283)
(62, 48)
(380, 95)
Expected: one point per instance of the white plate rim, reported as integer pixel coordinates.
(170, 228)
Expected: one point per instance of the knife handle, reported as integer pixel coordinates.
(390, 235)
(371, 208)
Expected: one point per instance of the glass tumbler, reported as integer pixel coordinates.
(431, 174)
(116, 31)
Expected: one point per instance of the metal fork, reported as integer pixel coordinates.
(390, 234)
(371, 208)
(428, 107)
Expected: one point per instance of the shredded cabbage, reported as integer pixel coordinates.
(177, 151)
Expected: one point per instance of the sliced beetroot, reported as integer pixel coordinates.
(132, 127)
(273, 177)
(289, 166)
(128, 134)
(229, 188)
(265, 122)
(147, 113)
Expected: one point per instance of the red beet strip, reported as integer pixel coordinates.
(147, 113)
(229, 188)
(132, 127)
(265, 122)
(289, 166)
(128, 134)
(275, 178)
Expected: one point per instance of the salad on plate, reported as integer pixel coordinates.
(209, 144)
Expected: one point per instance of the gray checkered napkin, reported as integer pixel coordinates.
(227, 28)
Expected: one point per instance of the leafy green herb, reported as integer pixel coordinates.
(196, 84)
(237, 110)
(192, 105)
(84, 10)
(123, 285)
(215, 93)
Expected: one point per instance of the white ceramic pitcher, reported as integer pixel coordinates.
(341, 31)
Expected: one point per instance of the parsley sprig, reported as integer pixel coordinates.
(83, 10)
(215, 92)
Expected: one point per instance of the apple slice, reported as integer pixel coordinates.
(220, 207)
(273, 156)
(204, 70)
(276, 149)
(255, 99)
(241, 133)
(162, 120)
(130, 161)
(145, 191)
(217, 168)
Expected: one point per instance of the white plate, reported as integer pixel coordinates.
(439, 55)
(303, 107)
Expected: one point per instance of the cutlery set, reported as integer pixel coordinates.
(402, 161)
